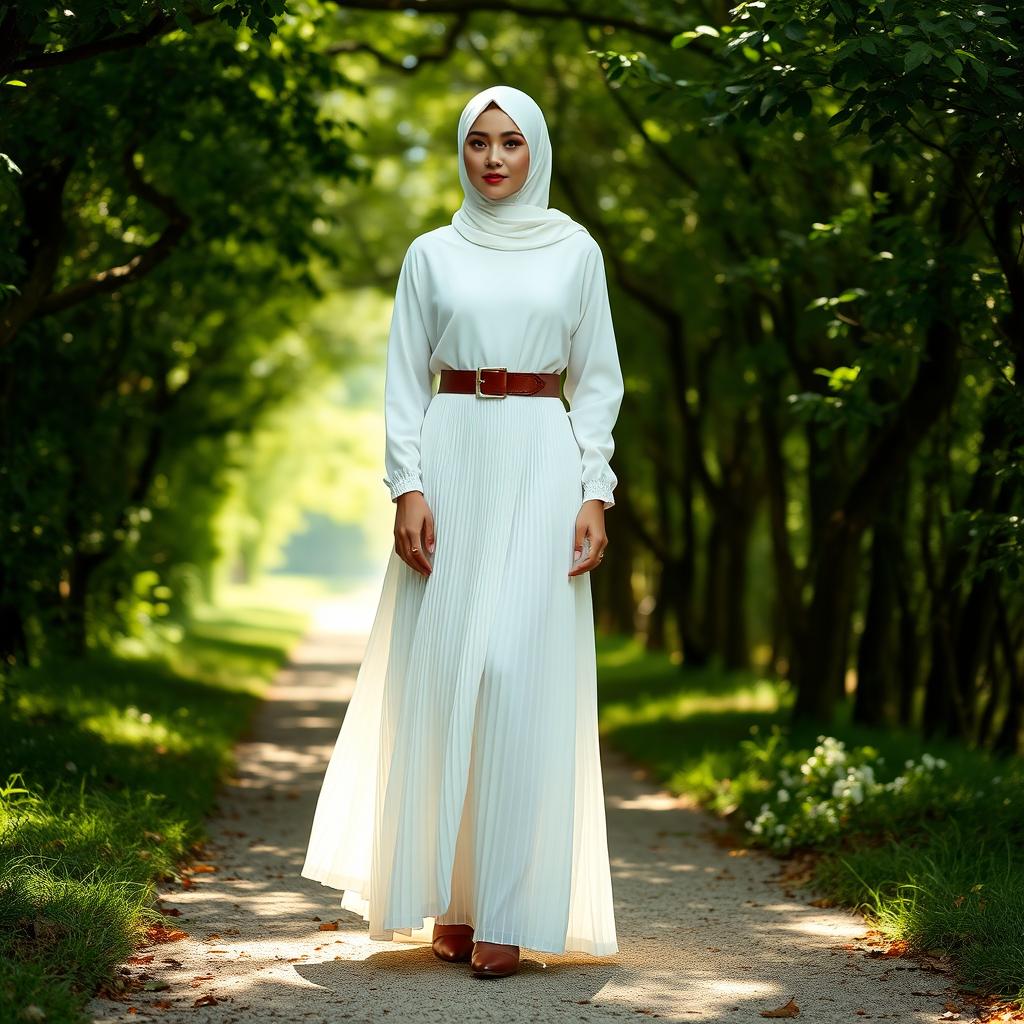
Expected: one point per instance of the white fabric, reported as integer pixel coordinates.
(523, 219)
(461, 305)
(465, 785)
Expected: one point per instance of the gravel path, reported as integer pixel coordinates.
(706, 932)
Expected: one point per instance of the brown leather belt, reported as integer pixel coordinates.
(499, 381)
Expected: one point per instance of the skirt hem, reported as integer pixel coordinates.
(353, 896)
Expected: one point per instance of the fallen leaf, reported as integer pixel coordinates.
(158, 933)
(202, 869)
(155, 986)
(208, 1000)
(329, 926)
(162, 1004)
(789, 1010)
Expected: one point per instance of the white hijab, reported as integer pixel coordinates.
(522, 220)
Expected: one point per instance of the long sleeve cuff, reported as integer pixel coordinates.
(600, 487)
(405, 480)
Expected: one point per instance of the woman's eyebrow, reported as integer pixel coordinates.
(511, 131)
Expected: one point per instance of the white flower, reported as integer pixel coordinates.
(782, 796)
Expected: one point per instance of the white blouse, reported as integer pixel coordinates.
(462, 305)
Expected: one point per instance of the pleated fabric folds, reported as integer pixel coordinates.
(465, 785)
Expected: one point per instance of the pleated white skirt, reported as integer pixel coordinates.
(465, 785)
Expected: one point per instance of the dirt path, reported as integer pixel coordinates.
(704, 935)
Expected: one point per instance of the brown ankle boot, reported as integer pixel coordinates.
(494, 959)
(453, 942)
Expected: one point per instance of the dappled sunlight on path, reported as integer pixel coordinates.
(705, 932)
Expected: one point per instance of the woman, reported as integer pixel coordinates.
(463, 800)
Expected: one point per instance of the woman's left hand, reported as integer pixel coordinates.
(589, 526)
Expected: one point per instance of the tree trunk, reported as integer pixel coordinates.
(823, 647)
(877, 655)
(1008, 740)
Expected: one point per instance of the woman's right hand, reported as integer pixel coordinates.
(414, 531)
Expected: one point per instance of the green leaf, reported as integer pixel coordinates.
(1008, 90)
(183, 21)
(770, 99)
(917, 55)
(954, 63)
(795, 30)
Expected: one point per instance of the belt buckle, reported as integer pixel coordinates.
(480, 370)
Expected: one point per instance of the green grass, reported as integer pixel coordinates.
(111, 764)
(948, 875)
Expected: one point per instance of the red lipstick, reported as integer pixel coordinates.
(493, 179)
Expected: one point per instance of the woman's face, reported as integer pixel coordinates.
(496, 154)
